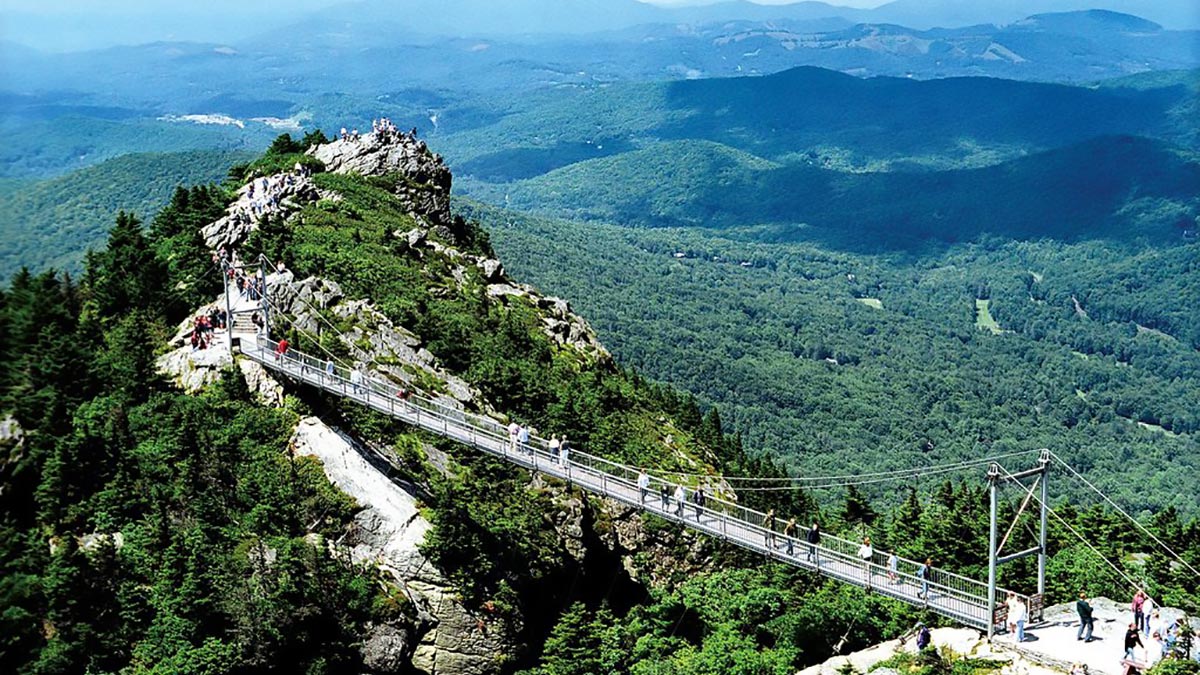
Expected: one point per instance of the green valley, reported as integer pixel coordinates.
(780, 337)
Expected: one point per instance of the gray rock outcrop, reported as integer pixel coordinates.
(423, 180)
(450, 639)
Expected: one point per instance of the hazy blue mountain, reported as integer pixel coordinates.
(950, 13)
(815, 117)
(1124, 189)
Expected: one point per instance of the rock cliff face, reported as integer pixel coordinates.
(446, 638)
(421, 178)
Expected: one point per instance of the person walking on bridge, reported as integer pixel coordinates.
(768, 524)
(514, 430)
(923, 573)
(523, 439)
(866, 553)
(1086, 621)
(813, 537)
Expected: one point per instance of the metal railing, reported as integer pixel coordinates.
(952, 595)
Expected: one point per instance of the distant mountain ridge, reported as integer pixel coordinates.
(1120, 188)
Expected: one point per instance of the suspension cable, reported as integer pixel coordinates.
(1129, 580)
(1122, 511)
(873, 477)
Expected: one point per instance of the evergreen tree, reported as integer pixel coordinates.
(127, 273)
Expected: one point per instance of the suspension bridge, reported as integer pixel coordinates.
(969, 602)
(957, 597)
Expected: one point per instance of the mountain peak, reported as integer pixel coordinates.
(1089, 20)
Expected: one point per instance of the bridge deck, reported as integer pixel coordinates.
(959, 598)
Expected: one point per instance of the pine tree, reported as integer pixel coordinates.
(127, 274)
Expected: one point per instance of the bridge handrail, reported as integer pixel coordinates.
(604, 471)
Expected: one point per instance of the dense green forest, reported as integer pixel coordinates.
(839, 362)
(52, 222)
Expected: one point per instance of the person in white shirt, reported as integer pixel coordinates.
(1020, 613)
(866, 552)
(1011, 603)
(514, 430)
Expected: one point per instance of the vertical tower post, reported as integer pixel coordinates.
(993, 475)
(1044, 460)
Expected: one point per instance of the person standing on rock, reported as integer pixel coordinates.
(1020, 616)
(680, 498)
(1147, 612)
(1133, 638)
(924, 637)
(1139, 602)
(1011, 603)
(643, 483)
(1086, 621)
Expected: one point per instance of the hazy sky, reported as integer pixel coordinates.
(67, 25)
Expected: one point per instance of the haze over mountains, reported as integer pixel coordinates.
(54, 27)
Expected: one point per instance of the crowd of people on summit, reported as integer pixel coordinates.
(384, 130)
(264, 195)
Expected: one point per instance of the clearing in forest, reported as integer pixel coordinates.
(983, 317)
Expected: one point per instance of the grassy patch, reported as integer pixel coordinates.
(983, 317)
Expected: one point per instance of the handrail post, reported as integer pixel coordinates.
(993, 478)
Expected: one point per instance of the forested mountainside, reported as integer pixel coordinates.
(51, 223)
(153, 529)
